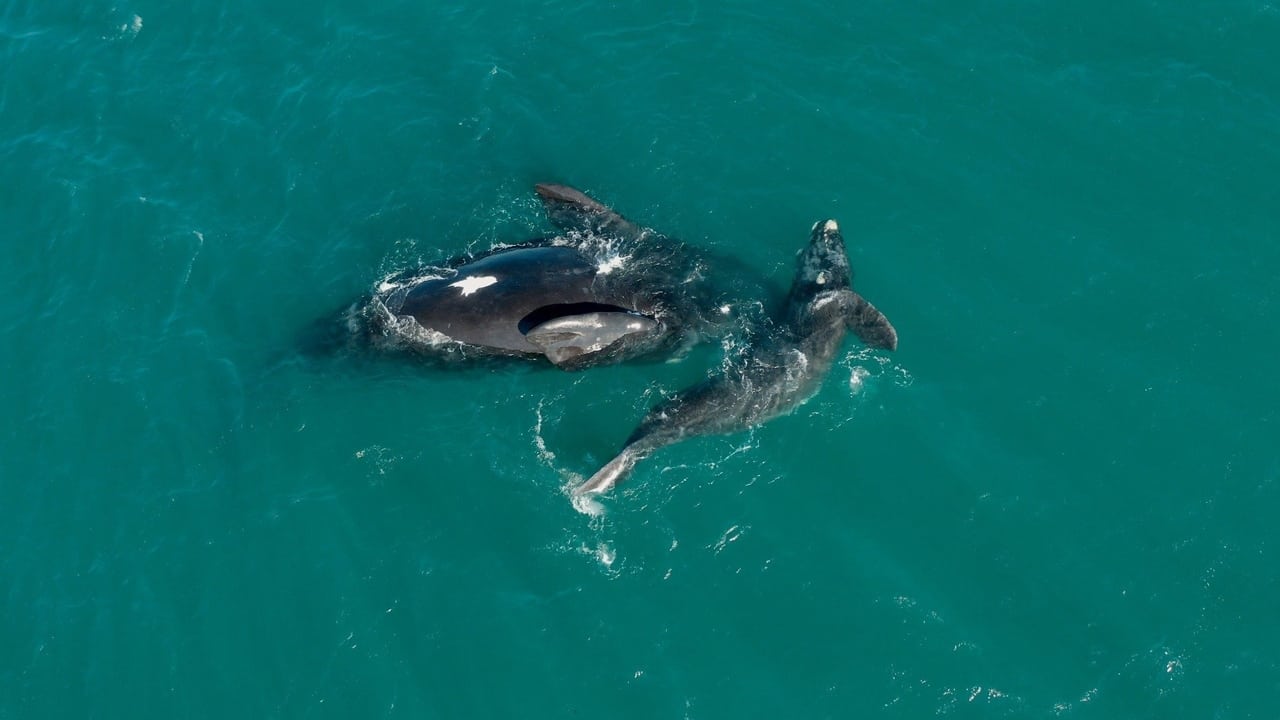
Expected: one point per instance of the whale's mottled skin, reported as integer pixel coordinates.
(603, 291)
(774, 376)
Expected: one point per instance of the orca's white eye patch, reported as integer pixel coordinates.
(471, 284)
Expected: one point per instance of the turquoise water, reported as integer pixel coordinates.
(1057, 499)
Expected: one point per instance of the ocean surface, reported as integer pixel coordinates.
(1058, 499)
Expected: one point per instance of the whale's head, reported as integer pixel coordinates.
(823, 264)
(822, 295)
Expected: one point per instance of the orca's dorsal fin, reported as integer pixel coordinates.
(573, 210)
(870, 325)
(572, 341)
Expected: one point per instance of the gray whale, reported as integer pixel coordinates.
(774, 376)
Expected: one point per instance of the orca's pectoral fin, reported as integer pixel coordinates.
(573, 210)
(870, 325)
(572, 341)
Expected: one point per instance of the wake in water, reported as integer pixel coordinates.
(570, 479)
(867, 368)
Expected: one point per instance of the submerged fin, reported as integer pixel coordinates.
(570, 209)
(568, 340)
(870, 325)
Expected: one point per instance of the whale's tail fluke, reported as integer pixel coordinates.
(614, 472)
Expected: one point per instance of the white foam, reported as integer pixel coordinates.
(545, 454)
(729, 536)
(857, 379)
(587, 505)
(127, 30)
(610, 264)
(385, 285)
(199, 246)
(605, 555)
(408, 329)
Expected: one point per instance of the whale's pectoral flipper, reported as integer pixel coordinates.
(570, 209)
(568, 339)
(870, 325)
